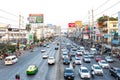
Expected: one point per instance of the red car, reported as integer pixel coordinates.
(98, 58)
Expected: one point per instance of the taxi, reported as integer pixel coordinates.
(31, 70)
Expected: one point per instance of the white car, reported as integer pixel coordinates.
(51, 60)
(97, 69)
(79, 52)
(109, 59)
(103, 64)
(86, 59)
(45, 56)
(78, 60)
(84, 72)
(42, 51)
(65, 54)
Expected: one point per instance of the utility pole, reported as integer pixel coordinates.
(93, 25)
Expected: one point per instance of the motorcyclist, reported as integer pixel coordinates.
(92, 73)
(17, 77)
(74, 64)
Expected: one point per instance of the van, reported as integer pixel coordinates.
(10, 60)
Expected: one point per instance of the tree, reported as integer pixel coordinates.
(28, 27)
(106, 18)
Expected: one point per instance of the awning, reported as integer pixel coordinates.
(115, 41)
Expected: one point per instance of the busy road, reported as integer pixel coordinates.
(46, 71)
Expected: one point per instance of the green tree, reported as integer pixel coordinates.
(106, 18)
(28, 27)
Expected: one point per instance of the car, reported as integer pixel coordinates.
(31, 70)
(42, 51)
(44, 45)
(115, 72)
(98, 58)
(69, 73)
(86, 59)
(79, 52)
(56, 48)
(66, 60)
(91, 55)
(103, 64)
(64, 54)
(93, 50)
(82, 49)
(45, 56)
(72, 53)
(48, 46)
(97, 69)
(78, 60)
(84, 72)
(51, 60)
(109, 59)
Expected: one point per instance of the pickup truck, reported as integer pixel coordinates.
(115, 72)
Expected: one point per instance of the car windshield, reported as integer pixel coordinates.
(85, 71)
(51, 58)
(118, 71)
(68, 71)
(97, 67)
(103, 62)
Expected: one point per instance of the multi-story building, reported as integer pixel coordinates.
(108, 29)
(8, 34)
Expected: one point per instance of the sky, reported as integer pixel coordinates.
(57, 12)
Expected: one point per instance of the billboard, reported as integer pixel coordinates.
(78, 24)
(71, 25)
(36, 18)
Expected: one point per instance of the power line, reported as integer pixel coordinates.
(102, 5)
(8, 19)
(108, 8)
(8, 12)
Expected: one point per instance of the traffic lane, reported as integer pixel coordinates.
(22, 65)
(53, 69)
(106, 75)
(44, 68)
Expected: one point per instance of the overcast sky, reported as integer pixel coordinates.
(57, 12)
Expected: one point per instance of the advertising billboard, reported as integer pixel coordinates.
(78, 24)
(71, 25)
(36, 18)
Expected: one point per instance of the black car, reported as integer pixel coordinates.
(56, 48)
(66, 60)
(114, 71)
(69, 73)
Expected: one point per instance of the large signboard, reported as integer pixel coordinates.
(78, 24)
(36, 18)
(71, 25)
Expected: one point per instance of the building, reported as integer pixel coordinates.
(107, 30)
(9, 34)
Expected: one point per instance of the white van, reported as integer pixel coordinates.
(11, 60)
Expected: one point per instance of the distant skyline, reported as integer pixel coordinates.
(57, 12)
